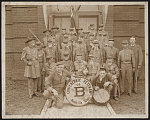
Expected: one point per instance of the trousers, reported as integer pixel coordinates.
(32, 85)
(57, 101)
(126, 80)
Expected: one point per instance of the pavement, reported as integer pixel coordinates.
(87, 111)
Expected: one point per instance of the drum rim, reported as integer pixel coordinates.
(99, 102)
(91, 96)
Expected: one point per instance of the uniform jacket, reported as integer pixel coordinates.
(112, 70)
(49, 68)
(111, 53)
(93, 68)
(50, 51)
(80, 49)
(31, 55)
(99, 83)
(57, 81)
(126, 55)
(137, 50)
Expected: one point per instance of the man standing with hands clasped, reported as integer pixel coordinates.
(137, 50)
(126, 63)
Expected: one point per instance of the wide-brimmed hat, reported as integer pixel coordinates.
(124, 42)
(30, 39)
(55, 27)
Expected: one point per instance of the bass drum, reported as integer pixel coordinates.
(101, 97)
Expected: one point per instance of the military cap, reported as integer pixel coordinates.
(101, 25)
(91, 24)
(59, 63)
(79, 54)
(91, 55)
(30, 39)
(124, 42)
(71, 29)
(92, 28)
(66, 53)
(55, 27)
(49, 56)
(111, 40)
(81, 35)
(102, 68)
(86, 32)
(38, 43)
(46, 31)
(49, 40)
(63, 28)
(66, 36)
(95, 42)
(79, 29)
(91, 34)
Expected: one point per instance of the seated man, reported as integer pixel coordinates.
(93, 68)
(113, 71)
(55, 85)
(49, 65)
(80, 66)
(103, 80)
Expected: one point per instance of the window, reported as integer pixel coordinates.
(62, 22)
(85, 21)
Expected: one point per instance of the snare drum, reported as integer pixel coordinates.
(101, 97)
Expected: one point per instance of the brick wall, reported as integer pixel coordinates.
(121, 23)
(19, 19)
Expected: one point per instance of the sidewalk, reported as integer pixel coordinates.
(87, 111)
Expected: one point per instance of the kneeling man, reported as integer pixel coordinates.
(55, 85)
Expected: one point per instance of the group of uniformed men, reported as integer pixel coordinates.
(62, 55)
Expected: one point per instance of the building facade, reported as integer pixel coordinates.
(121, 22)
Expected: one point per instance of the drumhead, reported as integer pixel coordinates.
(101, 96)
(79, 91)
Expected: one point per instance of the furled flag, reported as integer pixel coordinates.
(72, 20)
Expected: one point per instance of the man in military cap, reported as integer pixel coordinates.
(47, 37)
(72, 35)
(42, 60)
(126, 63)
(97, 52)
(113, 71)
(80, 66)
(137, 50)
(32, 68)
(93, 68)
(63, 31)
(90, 42)
(65, 46)
(57, 38)
(49, 66)
(55, 85)
(110, 51)
(100, 28)
(50, 50)
(103, 80)
(79, 31)
(69, 65)
(102, 36)
(80, 49)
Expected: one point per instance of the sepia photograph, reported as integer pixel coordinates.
(74, 59)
